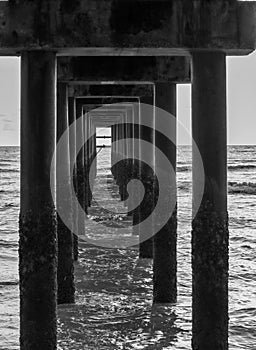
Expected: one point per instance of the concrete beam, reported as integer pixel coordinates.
(109, 111)
(92, 27)
(106, 119)
(154, 69)
(110, 92)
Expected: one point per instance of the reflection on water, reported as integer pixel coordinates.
(114, 290)
(113, 309)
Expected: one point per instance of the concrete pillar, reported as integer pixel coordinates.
(122, 164)
(131, 160)
(89, 160)
(114, 151)
(210, 225)
(165, 240)
(73, 171)
(38, 232)
(80, 166)
(119, 165)
(127, 162)
(136, 168)
(112, 148)
(89, 151)
(147, 173)
(94, 151)
(86, 156)
(65, 274)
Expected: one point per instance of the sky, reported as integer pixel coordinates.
(241, 101)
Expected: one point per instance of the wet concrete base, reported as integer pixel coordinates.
(38, 283)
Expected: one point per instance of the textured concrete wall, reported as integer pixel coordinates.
(112, 24)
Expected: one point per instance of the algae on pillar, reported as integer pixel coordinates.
(38, 232)
(210, 225)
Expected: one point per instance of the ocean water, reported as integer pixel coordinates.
(113, 307)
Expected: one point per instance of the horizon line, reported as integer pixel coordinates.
(182, 144)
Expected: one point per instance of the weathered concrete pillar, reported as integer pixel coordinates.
(210, 225)
(116, 150)
(80, 166)
(86, 156)
(65, 274)
(122, 164)
(130, 150)
(73, 170)
(38, 231)
(94, 151)
(136, 168)
(147, 177)
(89, 160)
(165, 240)
(112, 148)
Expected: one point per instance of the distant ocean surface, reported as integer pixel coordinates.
(114, 289)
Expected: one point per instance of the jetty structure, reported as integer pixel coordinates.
(78, 55)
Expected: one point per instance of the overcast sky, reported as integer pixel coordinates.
(241, 101)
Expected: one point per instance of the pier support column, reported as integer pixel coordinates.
(80, 166)
(94, 153)
(136, 168)
(73, 170)
(123, 162)
(120, 164)
(130, 153)
(89, 159)
(165, 241)
(112, 148)
(147, 175)
(38, 230)
(86, 156)
(132, 161)
(65, 274)
(210, 225)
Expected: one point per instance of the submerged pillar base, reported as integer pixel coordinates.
(210, 274)
(38, 268)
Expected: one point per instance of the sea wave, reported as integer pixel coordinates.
(9, 283)
(242, 187)
(9, 170)
(183, 168)
(241, 166)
